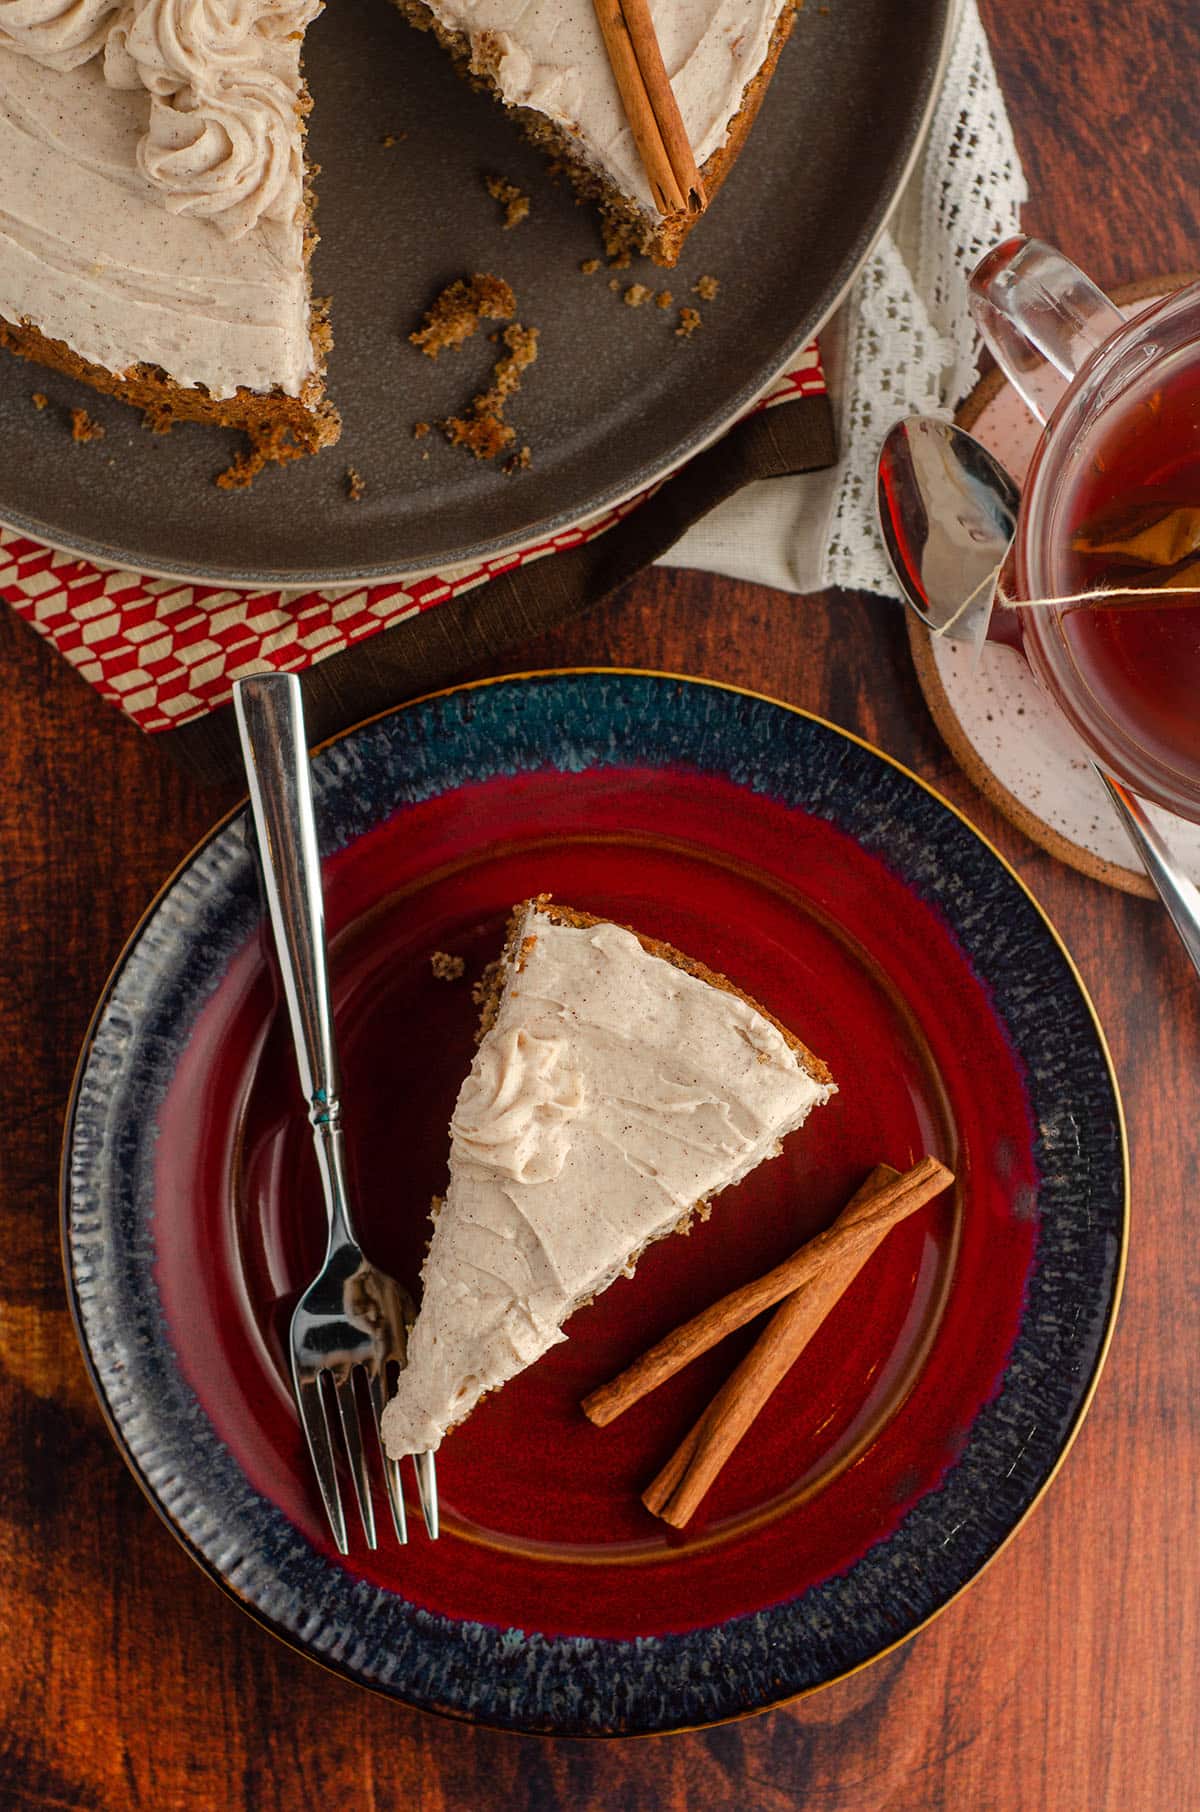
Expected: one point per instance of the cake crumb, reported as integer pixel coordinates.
(614, 283)
(590, 265)
(458, 310)
(356, 485)
(621, 262)
(518, 462)
(392, 138)
(483, 435)
(447, 968)
(663, 299)
(689, 322)
(40, 399)
(240, 474)
(706, 288)
(483, 430)
(514, 201)
(85, 427)
(636, 294)
(272, 445)
(420, 430)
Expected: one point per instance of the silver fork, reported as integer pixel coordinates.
(352, 1318)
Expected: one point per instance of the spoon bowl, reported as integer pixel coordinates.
(947, 513)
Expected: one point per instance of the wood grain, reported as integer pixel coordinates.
(1066, 1679)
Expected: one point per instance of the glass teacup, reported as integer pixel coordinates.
(1111, 505)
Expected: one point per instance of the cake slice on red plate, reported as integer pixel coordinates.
(618, 1087)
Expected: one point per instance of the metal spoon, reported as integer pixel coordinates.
(947, 513)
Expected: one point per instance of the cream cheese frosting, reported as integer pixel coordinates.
(222, 136)
(151, 185)
(549, 55)
(612, 1094)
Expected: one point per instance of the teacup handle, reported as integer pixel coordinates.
(1040, 316)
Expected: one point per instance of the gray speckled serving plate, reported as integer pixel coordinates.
(614, 399)
(857, 905)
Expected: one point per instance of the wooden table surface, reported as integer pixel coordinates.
(1066, 1679)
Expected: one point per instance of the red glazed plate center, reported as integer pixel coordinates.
(542, 1519)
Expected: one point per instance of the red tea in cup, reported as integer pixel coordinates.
(1111, 505)
(1130, 524)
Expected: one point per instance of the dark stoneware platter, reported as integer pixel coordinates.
(927, 1416)
(614, 400)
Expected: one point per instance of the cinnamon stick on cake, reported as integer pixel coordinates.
(650, 106)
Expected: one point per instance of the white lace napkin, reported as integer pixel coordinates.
(901, 341)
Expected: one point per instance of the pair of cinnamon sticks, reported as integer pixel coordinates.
(650, 106)
(808, 1285)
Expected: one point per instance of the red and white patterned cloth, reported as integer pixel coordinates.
(166, 652)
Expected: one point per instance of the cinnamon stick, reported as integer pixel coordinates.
(650, 105)
(678, 1490)
(767, 1360)
(884, 1199)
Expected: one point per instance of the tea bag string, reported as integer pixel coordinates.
(1164, 594)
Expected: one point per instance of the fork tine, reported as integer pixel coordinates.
(352, 1429)
(427, 1490)
(391, 1471)
(315, 1423)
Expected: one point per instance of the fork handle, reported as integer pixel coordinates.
(270, 720)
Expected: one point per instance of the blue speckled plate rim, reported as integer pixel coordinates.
(522, 1682)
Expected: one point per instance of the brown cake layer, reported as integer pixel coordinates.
(310, 419)
(627, 227)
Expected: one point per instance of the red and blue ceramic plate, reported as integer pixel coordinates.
(917, 1430)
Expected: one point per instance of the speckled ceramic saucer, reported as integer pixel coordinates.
(922, 1423)
(996, 720)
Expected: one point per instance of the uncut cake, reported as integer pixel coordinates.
(155, 207)
(617, 1088)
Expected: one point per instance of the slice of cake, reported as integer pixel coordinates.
(155, 224)
(545, 60)
(618, 1087)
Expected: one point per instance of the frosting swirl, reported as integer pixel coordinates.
(223, 140)
(207, 45)
(225, 156)
(61, 34)
(515, 1105)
